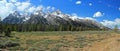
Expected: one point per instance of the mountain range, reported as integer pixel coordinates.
(56, 18)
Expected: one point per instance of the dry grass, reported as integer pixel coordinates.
(60, 41)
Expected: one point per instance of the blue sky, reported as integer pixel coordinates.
(110, 8)
(106, 12)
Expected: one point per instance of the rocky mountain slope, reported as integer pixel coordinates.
(50, 18)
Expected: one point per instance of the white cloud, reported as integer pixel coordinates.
(53, 8)
(75, 16)
(13, 0)
(5, 8)
(78, 2)
(31, 9)
(119, 8)
(9, 6)
(23, 6)
(111, 24)
(48, 7)
(90, 4)
(40, 7)
(98, 14)
(90, 18)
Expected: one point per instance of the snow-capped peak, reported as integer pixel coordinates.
(57, 12)
(26, 18)
(74, 18)
(36, 13)
(16, 14)
(39, 12)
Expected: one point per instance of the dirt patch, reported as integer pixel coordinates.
(110, 44)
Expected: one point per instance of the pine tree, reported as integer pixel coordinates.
(1, 29)
(60, 27)
(72, 28)
(116, 28)
(8, 32)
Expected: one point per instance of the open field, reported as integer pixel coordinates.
(65, 41)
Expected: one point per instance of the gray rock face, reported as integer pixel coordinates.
(36, 19)
(14, 18)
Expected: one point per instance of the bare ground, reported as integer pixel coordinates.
(110, 44)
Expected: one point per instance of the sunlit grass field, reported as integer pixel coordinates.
(57, 40)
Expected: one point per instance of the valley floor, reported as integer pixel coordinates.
(67, 41)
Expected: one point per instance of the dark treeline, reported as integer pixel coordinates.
(41, 27)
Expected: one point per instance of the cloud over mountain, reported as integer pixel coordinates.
(111, 24)
(98, 14)
(9, 6)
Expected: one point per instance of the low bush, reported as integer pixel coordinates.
(9, 44)
(6, 42)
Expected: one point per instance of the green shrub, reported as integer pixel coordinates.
(35, 49)
(55, 49)
(9, 44)
(8, 32)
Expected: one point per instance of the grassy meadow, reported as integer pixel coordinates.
(54, 40)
